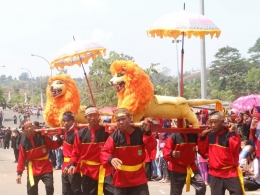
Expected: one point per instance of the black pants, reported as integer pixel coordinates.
(149, 170)
(135, 190)
(52, 157)
(6, 144)
(220, 185)
(251, 185)
(71, 184)
(47, 179)
(16, 152)
(179, 179)
(90, 186)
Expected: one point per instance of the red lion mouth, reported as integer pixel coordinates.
(55, 92)
(119, 86)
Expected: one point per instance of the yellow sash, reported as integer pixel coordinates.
(101, 174)
(30, 169)
(189, 175)
(66, 159)
(240, 177)
(130, 168)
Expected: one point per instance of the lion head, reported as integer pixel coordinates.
(62, 95)
(134, 89)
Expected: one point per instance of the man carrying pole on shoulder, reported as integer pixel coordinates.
(71, 184)
(34, 148)
(179, 151)
(87, 146)
(125, 151)
(222, 145)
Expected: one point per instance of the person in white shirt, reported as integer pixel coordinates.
(250, 169)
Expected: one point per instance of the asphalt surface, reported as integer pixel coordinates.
(8, 174)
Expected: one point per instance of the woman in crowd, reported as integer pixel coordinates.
(163, 165)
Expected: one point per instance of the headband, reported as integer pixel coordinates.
(68, 117)
(91, 110)
(121, 112)
(26, 123)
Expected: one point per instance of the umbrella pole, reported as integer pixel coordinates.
(180, 122)
(90, 90)
(182, 59)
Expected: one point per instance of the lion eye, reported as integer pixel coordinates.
(59, 82)
(120, 75)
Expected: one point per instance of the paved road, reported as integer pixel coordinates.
(8, 185)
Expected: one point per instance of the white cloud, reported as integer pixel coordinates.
(100, 36)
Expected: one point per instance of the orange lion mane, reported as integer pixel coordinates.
(55, 107)
(138, 90)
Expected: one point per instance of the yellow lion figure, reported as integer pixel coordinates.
(135, 92)
(62, 95)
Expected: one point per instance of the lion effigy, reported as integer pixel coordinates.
(135, 92)
(62, 95)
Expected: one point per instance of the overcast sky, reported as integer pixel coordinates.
(44, 27)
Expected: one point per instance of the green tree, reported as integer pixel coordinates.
(223, 95)
(9, 78)
(253, 80)
(18, 98)
(2, 98)
(228, 71)
(192, 89)
(2, 77)
(255, 52)
(24, 76)
(152, 70)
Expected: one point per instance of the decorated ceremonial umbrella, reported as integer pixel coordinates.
(183, 24)
(78, 52)
(245, 103)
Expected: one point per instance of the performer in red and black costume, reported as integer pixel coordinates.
(87, 146)
(222, 145)
(125, 151)
(71, 184)
(179, 150)
(34, 148)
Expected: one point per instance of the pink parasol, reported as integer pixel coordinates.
(246, 102)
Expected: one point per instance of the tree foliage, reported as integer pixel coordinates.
(255, 52)
(253, 80)
(228, 71)
(24, 76)
(2, 98)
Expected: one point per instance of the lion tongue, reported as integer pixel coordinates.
(117, 87)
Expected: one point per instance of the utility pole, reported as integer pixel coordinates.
(203, 70)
